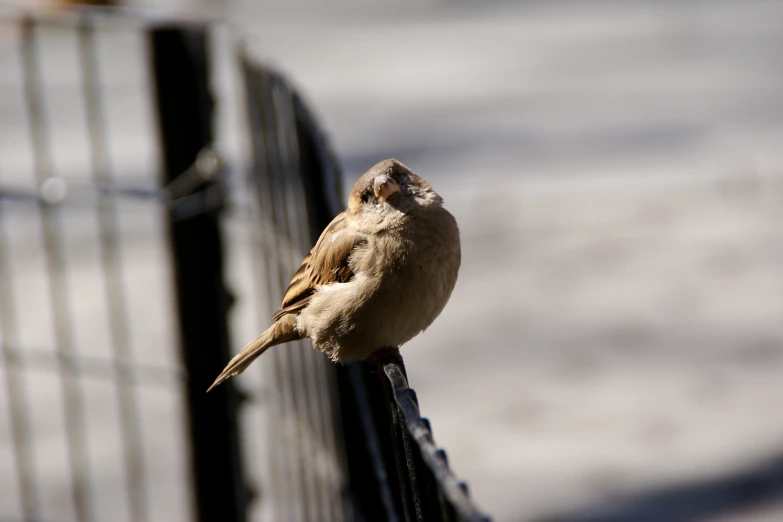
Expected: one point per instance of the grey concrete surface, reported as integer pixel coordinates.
(615, 168)
(616, 171)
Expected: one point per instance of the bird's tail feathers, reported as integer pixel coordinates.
(281, 332)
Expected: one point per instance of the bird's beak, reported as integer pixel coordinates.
(384, 187)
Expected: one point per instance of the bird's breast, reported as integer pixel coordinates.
(403, 278)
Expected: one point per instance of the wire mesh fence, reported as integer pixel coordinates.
(128, 270)
(286, 181)
(89, 374)
(395, 471)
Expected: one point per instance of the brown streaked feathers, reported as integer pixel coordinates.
(321, 266)
(378, 275)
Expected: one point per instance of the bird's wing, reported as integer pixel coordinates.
(326, 263)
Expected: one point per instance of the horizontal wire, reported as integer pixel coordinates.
(93, 365)
(188, 194)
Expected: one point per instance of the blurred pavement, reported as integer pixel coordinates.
(617, 172)
(616, 169)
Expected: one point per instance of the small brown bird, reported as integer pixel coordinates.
(380, 273)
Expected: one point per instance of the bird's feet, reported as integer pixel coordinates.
(382, 357)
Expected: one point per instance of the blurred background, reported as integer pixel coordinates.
(614, 346)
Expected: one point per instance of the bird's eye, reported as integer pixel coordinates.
(366, 195)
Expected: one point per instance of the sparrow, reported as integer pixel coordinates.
(380, 273)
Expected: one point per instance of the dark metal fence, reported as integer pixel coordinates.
(191, 171)
(104, 274)
(292, 188)
(78, 448)
(395, 470)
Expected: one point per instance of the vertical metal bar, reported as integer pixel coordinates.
(21, 431)
(377, 486)
(411, 465)
(280, 264)
(287, 261)
(112, 274)
(325, 382)
(261, 187)
(321, 191)
(366, 417)
(303, 355)
(311, 364)
(184, 106)
(55, 260)
(398, 441)
(323, 412)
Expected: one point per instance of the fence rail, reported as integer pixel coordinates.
(451, 493)
(396, 472)
(349, 442)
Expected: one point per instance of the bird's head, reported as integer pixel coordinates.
(389, 183)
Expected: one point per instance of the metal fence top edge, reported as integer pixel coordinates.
(454, 489)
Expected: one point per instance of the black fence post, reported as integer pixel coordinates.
(184, 106)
